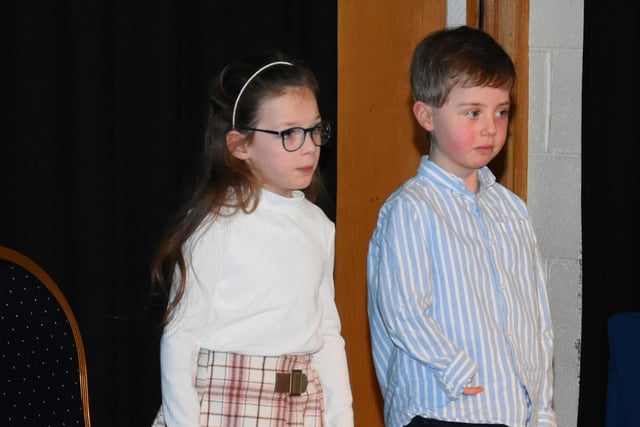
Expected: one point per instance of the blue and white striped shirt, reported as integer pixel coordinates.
(456, 289)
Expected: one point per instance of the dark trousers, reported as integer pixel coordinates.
(428, 422)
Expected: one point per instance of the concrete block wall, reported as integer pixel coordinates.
(554, 179)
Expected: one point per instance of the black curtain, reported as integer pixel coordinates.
(610, 140)
(104, 116)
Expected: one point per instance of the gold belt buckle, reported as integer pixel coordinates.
(294, 383)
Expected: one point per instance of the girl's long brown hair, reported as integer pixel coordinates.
(226, 184)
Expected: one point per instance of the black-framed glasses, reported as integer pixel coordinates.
(293, 138)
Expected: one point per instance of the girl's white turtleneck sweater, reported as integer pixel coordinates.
(258, 284)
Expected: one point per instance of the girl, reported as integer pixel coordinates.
(252, 334)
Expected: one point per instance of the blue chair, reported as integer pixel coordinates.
(43, 370)
(623, 399)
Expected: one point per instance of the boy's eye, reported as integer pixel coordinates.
(473, 113)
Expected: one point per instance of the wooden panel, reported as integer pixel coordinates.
(379, 144)
(508, 22)
(377, 151)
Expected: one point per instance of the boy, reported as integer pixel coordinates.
(460, 324)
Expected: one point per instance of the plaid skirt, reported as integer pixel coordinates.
(238, 391)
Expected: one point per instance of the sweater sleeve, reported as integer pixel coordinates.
(180, 403)
(331, 360)
(181, 340)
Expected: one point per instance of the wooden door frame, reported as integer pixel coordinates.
(508, 22)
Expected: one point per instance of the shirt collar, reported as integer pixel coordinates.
(486, 178)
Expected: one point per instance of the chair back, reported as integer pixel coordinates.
(623, 399)
(43, 370)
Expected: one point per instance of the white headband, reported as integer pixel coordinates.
(233, 117)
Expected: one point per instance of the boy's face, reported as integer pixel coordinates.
(469, 130)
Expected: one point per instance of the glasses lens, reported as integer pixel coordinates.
(292, 139)
(321, 133)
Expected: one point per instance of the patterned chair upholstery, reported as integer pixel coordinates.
(43, 373)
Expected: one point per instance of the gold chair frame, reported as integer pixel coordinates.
(32, 267)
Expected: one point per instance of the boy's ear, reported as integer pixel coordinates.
(424, 115)
(237, 145)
